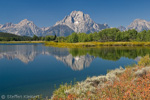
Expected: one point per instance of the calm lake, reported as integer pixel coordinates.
(34, 69)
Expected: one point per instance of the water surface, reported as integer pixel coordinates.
(33, 69)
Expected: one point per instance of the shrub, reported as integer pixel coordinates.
(144, 61)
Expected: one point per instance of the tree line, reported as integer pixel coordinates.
(106, 35)
(12, 37)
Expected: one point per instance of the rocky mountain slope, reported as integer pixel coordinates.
(23, 28)
(59, 30)
(139, 25)
(121, 28)
(80, 22)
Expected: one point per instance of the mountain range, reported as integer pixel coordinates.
(77, 21)
(138, 24)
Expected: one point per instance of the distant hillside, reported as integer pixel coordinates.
(2, 34)
(12, 37)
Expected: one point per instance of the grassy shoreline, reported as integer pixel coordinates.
(15, 42)
(81, 44)
(95, 44)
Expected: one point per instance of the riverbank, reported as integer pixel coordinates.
(81, 44)
(15, 42)
(94, 44)
(131, 83)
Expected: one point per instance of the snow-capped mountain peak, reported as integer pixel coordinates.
(139, 25)
(25, 22)
(7, 25)
(80, 22)
(23, 28)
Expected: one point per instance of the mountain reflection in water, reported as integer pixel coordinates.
(76, 59)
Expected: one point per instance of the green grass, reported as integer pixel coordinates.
(81, 44)
(95, 44)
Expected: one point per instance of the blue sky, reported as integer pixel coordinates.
(47, 12)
